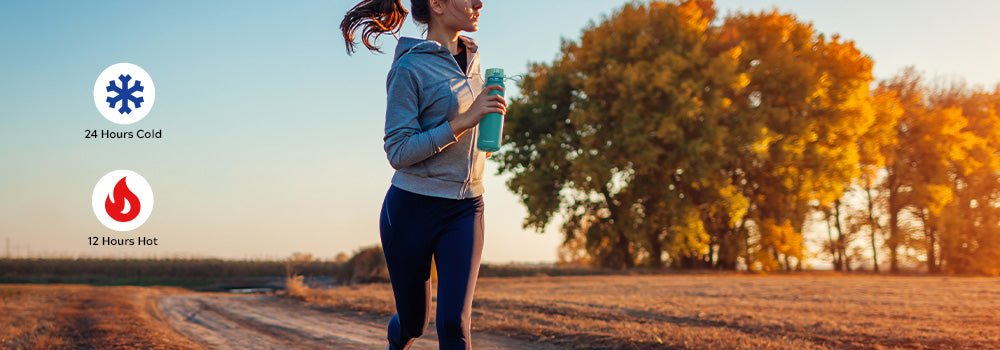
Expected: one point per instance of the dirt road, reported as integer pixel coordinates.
(226, 321)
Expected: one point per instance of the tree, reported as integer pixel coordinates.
(942, 167)
(967, 231)
(875, 147)
(627, 134)
(808, 96)
(659, 134)
(909, 93)
(938, 142)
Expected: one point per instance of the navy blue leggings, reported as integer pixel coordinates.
(413, 228)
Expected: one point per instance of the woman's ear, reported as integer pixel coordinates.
(437, 6)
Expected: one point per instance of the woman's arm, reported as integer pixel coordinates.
(405, 143)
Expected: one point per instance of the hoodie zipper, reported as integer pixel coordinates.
(469, 58)
(471, 62)
(472, 159)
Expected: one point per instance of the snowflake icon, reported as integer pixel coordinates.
(125, 94)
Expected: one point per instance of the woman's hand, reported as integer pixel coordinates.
(483, 105)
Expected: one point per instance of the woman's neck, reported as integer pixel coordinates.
(447, 38)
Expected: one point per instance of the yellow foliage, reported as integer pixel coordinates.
(776, 239)
(689, 237)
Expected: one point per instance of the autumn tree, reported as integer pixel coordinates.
(809, 96)
(665, 136)
(966, 230)
(658, 133)
(627, 134)
(875, 147)
(909, 93)
(936, 151)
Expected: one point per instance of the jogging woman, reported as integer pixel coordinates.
(434, 207)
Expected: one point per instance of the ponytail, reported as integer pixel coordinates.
(377, 17)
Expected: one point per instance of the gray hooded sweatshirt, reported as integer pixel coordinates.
(426, 89)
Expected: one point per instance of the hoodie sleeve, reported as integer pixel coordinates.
(405, 142)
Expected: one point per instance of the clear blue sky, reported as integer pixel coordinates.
(273, 135)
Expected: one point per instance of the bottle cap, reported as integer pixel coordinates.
(497, 72)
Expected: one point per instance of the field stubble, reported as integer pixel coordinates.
(722, 311)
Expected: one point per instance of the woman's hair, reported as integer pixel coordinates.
(379, 17)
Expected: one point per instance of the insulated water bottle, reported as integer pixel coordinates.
(491, 126)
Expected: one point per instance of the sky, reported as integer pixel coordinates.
(272, 134)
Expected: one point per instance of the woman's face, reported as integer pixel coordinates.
(460, 15)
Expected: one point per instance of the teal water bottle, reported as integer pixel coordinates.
(491, 126)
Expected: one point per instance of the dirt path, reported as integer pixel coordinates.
(224, 321)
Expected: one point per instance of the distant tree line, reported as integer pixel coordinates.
(364, 265)
(98, 270)
(666, 136)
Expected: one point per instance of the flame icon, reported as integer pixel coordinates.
(121, 195)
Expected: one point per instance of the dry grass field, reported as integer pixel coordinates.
(813, 311)
(84, 317)
(686, 311)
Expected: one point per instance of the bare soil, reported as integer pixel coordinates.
(225, 321)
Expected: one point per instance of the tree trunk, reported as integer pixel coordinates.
(623, 248)
(841, 241)
(775, 256)
(931, 255)
(655, 249)
(929, 234)
(746, 245)
(872, 225)
(711, 255)
(833, 245)
(731, 243)
(729, 251)
(654, 235)
(894, 238)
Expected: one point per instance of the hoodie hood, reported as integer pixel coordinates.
(414, 45)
